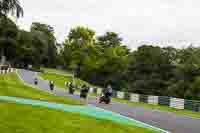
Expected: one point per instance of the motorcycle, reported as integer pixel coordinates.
(71, 90)
(35, 81)
(106, 98)
(51, 85)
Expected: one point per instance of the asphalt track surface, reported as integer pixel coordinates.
(164, 120)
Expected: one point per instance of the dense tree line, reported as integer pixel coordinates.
(21, 48)
(149, 70)
(165, 71)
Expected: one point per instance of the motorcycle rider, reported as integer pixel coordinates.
(71, 89)
(84, 92)
(106, 95)
(35, 81)
(51, 85)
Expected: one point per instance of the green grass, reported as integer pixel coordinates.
(61, 79)
(16, 118)
(58, 71)
(11, 85)
(56, 74)
(160, 107)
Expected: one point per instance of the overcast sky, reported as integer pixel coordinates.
(173, 21)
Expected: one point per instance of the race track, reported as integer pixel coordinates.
(164, 120)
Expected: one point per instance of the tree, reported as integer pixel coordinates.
(92, 61)
(189, 59)
(110, 39)
(8, 35)
(31, 48)
(150, 69)
(10, 6)
(25, 48)
(47, 34)
(114, 66)
(81, 36)
(46, 29)
(6, 7)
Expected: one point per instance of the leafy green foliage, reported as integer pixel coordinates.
(10, 6)
(165, 71)
(22, 47)
(110, 39)
(81, 36)
(8, 36)
(93, 61)
(148, 70)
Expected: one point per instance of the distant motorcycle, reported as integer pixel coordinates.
(71, 89)
(51, 85)
(106, 98)
(35, 81)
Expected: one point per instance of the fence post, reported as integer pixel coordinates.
(177, 103)
(99, 90)
(127, 96)
(120, 95)
(91, 90)
(153, 100)
(164, 100)
(134, 97)
(143, 98)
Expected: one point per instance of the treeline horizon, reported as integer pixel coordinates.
(104, 59)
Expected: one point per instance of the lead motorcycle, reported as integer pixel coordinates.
(105, 98)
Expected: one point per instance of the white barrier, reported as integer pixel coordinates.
(134, 97)
(7, 71)
(91, 90)
(177, 103)
(153, 100)
(11, 70)
(99, 90)
(120, 95)
(3, 72)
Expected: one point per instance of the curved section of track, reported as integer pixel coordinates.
(164, 120)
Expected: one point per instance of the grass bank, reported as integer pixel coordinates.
(17, 118)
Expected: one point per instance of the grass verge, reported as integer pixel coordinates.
(56, 71)
(17, 118)
(61, 79)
